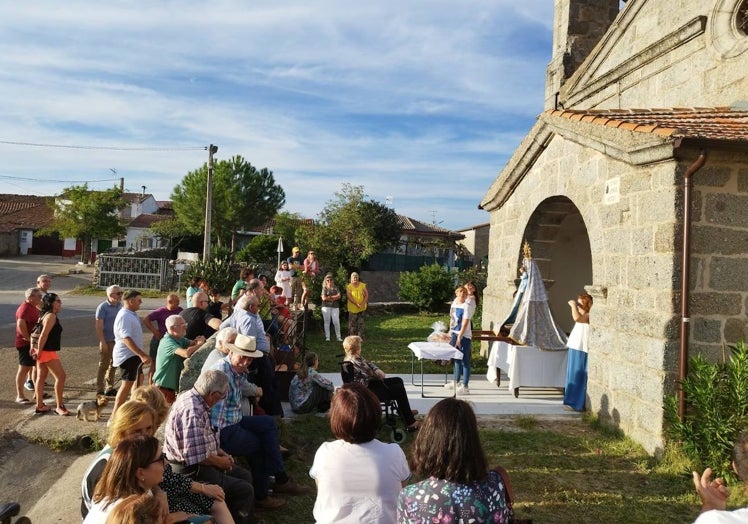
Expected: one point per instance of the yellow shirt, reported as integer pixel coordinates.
(357, 292)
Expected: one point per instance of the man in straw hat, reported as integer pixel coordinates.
(254, 437)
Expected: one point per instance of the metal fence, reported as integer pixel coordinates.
(132, 273)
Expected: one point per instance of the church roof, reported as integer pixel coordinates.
(717, 123)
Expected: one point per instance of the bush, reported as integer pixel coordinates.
(219, 271)
(428, 288)
(716, 413)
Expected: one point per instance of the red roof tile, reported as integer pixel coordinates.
(716, 123)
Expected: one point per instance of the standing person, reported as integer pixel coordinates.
(472, 299)
(283, 279)
(199, 320)
(331, 307)
(296, 264)
(27, 315)
(196, 285)
(106, 312)
(460, 317)
(358, 477)
(458, 486)
(310, 272)
(43, 283)
(47, 358)
(358, 299)
(310, 391)
(128, 353)
(172, 350)
(241, 285)
(155, 322)
(575, 392)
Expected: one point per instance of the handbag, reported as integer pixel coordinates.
(509, 495)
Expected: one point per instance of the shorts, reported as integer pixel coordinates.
(130, 368)
(24, 359)
(47, 356)
(169, 394)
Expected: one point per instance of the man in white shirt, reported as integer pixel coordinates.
(128, 353)
(713, 493)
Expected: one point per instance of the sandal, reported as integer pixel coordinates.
(413, 427)
(62, 411)
(22, 400)
(42, 410)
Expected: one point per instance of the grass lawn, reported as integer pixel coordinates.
(561, 470)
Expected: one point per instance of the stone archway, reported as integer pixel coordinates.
(561, 247)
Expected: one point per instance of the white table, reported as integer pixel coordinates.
(527, 366)
(430, 351)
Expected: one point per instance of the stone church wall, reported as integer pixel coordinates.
(633, 335)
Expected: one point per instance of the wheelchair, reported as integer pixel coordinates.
(9, 510)
(390, 413)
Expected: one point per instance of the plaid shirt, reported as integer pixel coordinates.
(189, 437)
(229, 410)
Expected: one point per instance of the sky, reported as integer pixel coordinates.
(420, 102)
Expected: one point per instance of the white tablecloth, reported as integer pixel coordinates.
(434, 350)
(527, 366)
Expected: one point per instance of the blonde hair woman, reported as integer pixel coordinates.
(358, 301)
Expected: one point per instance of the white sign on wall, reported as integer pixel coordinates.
(612, 191)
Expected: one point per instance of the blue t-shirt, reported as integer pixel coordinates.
(108, 312)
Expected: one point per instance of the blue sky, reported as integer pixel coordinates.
(420, 101)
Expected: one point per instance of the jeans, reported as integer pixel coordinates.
(462, 367)
(236, 484)
(257, 439)
(328, 314)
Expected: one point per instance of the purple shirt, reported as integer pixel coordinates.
(160, 315)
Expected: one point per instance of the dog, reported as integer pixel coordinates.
(91, 409)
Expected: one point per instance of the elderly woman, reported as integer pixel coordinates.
(358, 300)
(385, 388)
(458, 487)
(358, 477)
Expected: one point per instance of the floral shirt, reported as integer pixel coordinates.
(440, 501)
(301, 388)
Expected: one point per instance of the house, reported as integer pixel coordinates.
(475, 244)
(633, 185)
(20, 217)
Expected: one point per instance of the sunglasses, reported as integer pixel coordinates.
(161, 458)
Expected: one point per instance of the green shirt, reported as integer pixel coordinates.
(168, 364)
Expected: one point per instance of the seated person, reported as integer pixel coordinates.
(714, 493)
(310, 391)
(385, 388)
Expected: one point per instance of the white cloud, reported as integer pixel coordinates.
(422, 100)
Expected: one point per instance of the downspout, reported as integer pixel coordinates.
(685, 279)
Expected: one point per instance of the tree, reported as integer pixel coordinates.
(85, 215)
(243, 197)
(350, 229)
(170, 231)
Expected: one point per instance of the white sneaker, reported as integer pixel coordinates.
(462, 390)
(450, 385)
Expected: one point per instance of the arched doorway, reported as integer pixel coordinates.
(561, 248)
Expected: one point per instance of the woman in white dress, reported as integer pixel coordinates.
(575, 392)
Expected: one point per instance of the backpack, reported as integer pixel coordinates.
(34, 337)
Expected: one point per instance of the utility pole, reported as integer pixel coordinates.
(208, 203)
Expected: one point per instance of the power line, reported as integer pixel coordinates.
(106, 148)
(62, 181)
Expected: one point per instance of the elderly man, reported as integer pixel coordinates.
(191, 445)
(713, 493)
(247, 321)
(198, 318)
(27, 315)
(128, 353)
(255, 437)
(155, 321)
(106, 312)
(172, 350)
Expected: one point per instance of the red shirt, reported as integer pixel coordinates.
(30, 314)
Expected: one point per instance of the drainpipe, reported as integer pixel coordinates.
(685, 279)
